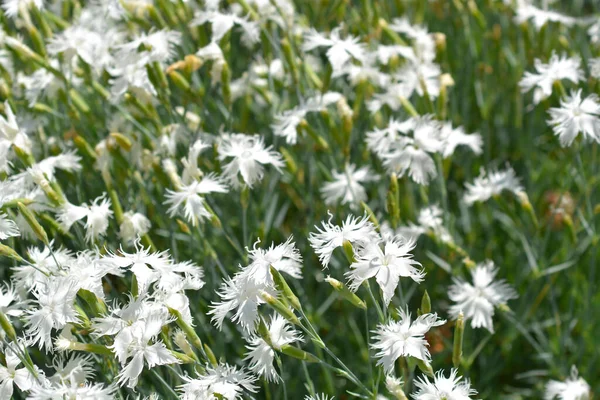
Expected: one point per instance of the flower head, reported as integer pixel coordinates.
(387, 262)
(340, 51)
(248, 156)
(574, 116)
(358, 231)
(403, 338)
(442, 388)
(557, 69)
(573, 388)
(8, 227)
(477, 300)
(492, 183)
(261, 354)
(226, 381)
(347, 186)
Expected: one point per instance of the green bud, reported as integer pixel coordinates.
(79, 102)
(179, 80)
(281, 308)
(348, 251)
(226, 84)
(263, 331)
(123, 141)
(84, 147)
(33, 223)
(7, 327)
(10, 253)
(425, 367)
(425, 303)
(285, 289)
(393, 201)
(459, 331)
(346, 294)
(299, 354)
(210, 355)
(190, 333)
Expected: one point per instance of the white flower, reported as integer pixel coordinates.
(39, 82)
(139, 343)
(55, 301)
(191, 171)
(10, 375)
(70, 381)
(443, 388)
(242, 293)
(340, 51)
(574, 116)
(526, 12)
(477, 301)
(13, 7)
(429, 222)
(224, 380)
(133, 226)
(11, 303)
(132, 75)
(159, 46)
(261, 354)
(386, 264)
(213, 52)
(594, 32)
(249, 156)
(96, 214)
(319, 396)
(10, 131)
(402, 338)
(84, 390)
(573, 388)
(422, 41)
(286, 123)
(34, 275)
(594, 66)
(78, 40)
(454, 137)
(355, 230)
(412, 153)
(284, 257)
(557, 69)
(8, 228)
(347, 186)
(492, 183)
(189, 198)
(222, 23)
(155, 267)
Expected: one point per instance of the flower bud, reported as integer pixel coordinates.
(33, 223)
(281, 308)
(187, 329)
(226, 84)
(425, 304)
(180, 340)
(284, 288)
(425, 367)
(299, 354)
(210, 355)
(179, 80)
(346, 294)
(7, 327)
(348, 251)
(10, 253)
(123, 141)
(459, 331)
